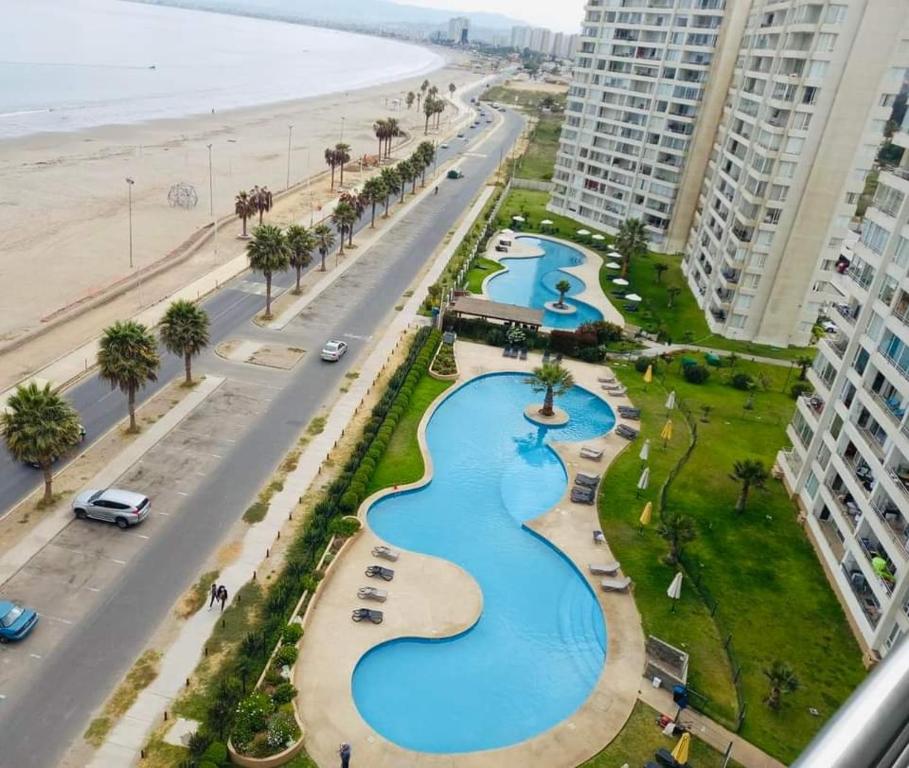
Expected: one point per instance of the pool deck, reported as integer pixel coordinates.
(430, 597)
(588, 272)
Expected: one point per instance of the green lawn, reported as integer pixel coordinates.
(479, 271)
(539, 158)
(402, 461)
(773, 596)
(523, 99)
(641, 737)
(683, 322)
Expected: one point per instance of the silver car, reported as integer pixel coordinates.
(125, 508)
(333, 350)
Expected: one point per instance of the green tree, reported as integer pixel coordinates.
(268, 253)
(374, 192)
(262, 200)
(677, 529)
(429, 109)
(631, 241)
(184, 331)
(39, 427)
(331, 160)
(357, 205)
(782, 679)
(804, 363)
(343, 217)
(128, 359)
(427, 153)
(660, 269)
(410, 98)
(405, 174)
(380, 128)
(325, 241)
(393, 130)
(551, 379)
(563, 286)
(750, 473)
(391, 179)
(452, 88)
(342, 157)
(301, 243)
(244, 208)
(672, 293)
(418, 166)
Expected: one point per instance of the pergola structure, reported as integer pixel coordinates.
(469, 306)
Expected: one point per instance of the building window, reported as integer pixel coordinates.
(737, 321)
(811, 484)
(875, 237)
(794, 145)
(826, 42)
(836, 14)
(817, 69)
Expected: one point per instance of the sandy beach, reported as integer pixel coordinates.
(64, 207)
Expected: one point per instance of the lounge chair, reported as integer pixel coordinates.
(587, 481)
(546, 356)
(372, 593)
(631, 415)
(506, 351)
(367, 614)
(630, 409)
(616, 585)
(598, 537)
(581, 495)
(631, 307)
(605, 569)
(523, 353)
(386, 553)
(606, 379)
(591, 453)
(378, 572)
(623, 430)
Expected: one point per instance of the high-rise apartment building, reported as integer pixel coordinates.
(539, 40)
(849, 464)
(811, 91)
(740, 132)
(520, 37)
(459, 30)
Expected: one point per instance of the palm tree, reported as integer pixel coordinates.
(301, 243)
(394, 130)
(244, 208)
(671, 293)
(751, 473)
(380, 128)
(262, 201)
(405, 173)
(563, 286)
(553, 380)
(128, 359)
(39, 427)
(631, 241)
(184, 331)
(427, 152)
(429, 109)
(782, 679)
(452, 88)
(342, 155)
(417, 166)
(424, 86)
(678, 530)
(440, 108)
(660, 269)
(804, 363)
(374, 191)
(343, 217)
(391, 179)
(409, 99)
(357, 205)
(325, 241)
(331, 160)
(268, 252)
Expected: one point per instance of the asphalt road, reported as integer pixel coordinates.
(49, 707)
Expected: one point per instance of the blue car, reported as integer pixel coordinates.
(15, 621)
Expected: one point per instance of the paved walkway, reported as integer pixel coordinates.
(708, 731)
(655, 348)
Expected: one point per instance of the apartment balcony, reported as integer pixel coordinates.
(832, 535)
(845, 503)
(718, 314)
(836, 345)
(874, 552)
(891, 405)
(731, 275)
(868, 602)
(849, 312)
(812, 406)
(898, 471)
(791, 463)
(894, 523)
(860, 470)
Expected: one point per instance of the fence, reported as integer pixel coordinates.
(539, 186)
(693, 571)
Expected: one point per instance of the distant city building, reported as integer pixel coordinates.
(545, 41)
(849, 464)
(564, 45)
(459, 30)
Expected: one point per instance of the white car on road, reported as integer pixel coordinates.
(333, 350)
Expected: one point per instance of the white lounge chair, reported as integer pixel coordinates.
(386, 553)
(616, 585)
(605, 569)
(616, 391)
(591, 453)
(606, 379)
(372, 593)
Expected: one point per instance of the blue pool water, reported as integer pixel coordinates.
(531, 283)
(539, 646)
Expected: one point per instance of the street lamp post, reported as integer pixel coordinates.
(211, 186)
(129, 192)
(290, 132)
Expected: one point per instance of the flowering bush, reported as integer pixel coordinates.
(282, 730)
(252, 717)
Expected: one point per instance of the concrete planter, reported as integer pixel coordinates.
(273, 760)
(442, 376)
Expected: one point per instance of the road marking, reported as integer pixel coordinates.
(93, 589)
(55, 618)
(355, 336)
(166, 514)
(34, 655)
(86, 554)
(138, 536)
(2, 696)
(216, 455)
(179, 493)
(121, 562)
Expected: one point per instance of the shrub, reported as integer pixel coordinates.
(695, 374)
(343, 527)
(208, 764)
(251, 718)
(800, 388)
(286, 656)
(282, 731)
(592, 354)
(349, 502)
(640, 365)
(742, 380)
(495, 337)
(291, 634)
(604, 331)
(199, 742)
(283, 694)
(216, 753)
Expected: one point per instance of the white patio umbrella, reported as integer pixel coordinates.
(597, 237)
(633, 297)
(517, 218)
(613, 265)
(645, 451)
(675, 589)
(584, 232)
(670, 401)
(620, 281)
(546, 222)
(616, 255)
(611, 247)
(644, 480)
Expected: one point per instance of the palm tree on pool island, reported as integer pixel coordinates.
(325, 241)
(39, 426)
(184, 331)
(563, 286)
(551, 379)
(268, 252)
(128, 359)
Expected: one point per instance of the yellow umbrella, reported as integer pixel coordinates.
(648, 374)
(646, 514)
(666, 433)
(680, 753)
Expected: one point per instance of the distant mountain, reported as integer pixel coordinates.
(358, 12)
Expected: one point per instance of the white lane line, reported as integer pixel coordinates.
(34, 655)
(119, 562)
(179, 493)
(216, 455)
(87, 554)
(55, 618)
(93, 589)
(166, 514)
(141, 536)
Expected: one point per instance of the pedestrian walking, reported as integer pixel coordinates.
(222, 596)
(214, 594)
(344, 752)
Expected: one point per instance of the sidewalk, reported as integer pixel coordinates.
(655, 348)
(706, 730)
(128, 737)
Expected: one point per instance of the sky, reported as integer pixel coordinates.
(563, 16)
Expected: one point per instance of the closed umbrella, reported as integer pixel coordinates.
(620, 281)
(613, 265)
(666, 432)
(645, 451)
(675, 588)
(633, 297)
(646, 515)
(680, 753)
(670, 401)
(648, 374)
(644, 480)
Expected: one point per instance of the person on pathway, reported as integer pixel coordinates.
(222, 596)
(214, 594)
(344, 752)
(437, 191)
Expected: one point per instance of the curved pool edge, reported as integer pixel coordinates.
(604, 712)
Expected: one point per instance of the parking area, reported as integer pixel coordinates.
(79, 568)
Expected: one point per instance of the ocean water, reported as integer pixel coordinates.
(72, 64)
(539, 646)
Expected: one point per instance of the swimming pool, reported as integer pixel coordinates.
(530, 282)
(538, 648)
